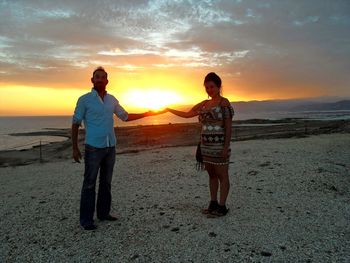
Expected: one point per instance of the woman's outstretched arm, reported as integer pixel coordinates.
(192, 113)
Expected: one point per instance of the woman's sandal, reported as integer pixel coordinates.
(213, 205)
(220, 211)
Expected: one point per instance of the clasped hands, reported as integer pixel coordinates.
(154, 112)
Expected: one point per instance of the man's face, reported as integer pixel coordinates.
(99, 80)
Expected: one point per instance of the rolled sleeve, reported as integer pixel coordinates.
(120, 111)
(79, 112)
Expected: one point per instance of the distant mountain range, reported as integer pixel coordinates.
(289, 106)
(292, 105)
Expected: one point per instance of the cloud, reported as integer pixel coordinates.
(254, 43)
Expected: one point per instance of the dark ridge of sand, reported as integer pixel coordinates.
(137, 138)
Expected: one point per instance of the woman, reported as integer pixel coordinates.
(215, 115)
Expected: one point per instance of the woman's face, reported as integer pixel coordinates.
(211, 88)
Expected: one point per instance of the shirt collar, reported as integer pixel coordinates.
(93, 91)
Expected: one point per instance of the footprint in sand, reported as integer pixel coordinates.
(253, 172)
(268, 163)
(266, 254)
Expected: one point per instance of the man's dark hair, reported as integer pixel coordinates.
(99, 69)
(214, 78)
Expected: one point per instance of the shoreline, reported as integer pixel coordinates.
(131, 139)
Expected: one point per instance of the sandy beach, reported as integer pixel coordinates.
(289, 202)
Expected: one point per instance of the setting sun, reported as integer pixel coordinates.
(152, 99)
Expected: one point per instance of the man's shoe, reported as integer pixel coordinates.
(90, 227)
(108, 218)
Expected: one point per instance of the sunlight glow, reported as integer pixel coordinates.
(151, 99)
(29, 101)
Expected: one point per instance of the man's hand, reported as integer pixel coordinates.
(76, 152)
(136, 116)
(77, 155)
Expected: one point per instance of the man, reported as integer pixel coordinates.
(96, 109)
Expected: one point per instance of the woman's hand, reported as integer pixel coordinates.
(224, 153)
(161, 111)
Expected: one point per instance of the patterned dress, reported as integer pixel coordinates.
(213, 133)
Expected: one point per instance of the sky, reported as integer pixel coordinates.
(158, 52)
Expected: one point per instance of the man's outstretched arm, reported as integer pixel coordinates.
(136, 116)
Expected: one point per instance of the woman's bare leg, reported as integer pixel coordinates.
(213, 182)
(221, 171)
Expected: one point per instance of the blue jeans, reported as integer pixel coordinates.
(96, 159)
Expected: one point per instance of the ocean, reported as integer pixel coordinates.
(10, 125)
